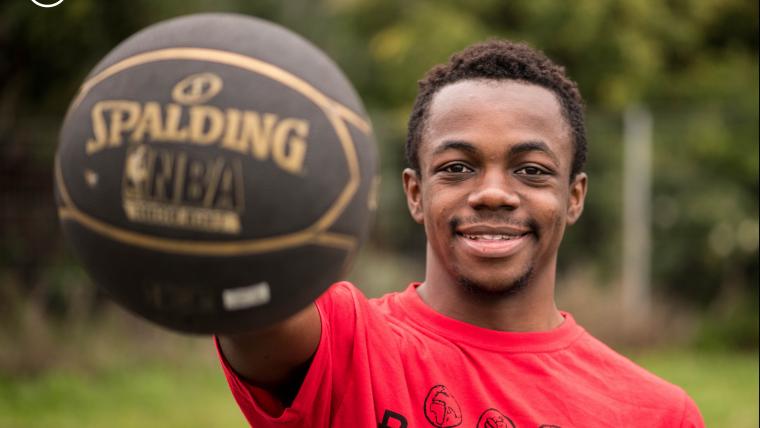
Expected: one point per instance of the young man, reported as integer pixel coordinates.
(496, 149)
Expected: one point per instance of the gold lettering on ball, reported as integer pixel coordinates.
(262, 135)
(197, 88)
(169, 187)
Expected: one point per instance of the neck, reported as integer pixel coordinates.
(530, 309)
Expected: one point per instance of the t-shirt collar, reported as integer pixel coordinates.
(464, 333)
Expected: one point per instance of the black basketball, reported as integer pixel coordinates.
(215, 173)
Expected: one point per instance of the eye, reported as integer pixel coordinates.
(531, 171)
(456, 168)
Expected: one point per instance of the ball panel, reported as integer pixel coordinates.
(363, 205)
(314, 182)
(246, 35)
(161, 288)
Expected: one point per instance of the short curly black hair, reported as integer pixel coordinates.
(500, 60)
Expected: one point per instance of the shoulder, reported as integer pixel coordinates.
(345, 307)
(629, 383)
(619, 367)
(346, 297)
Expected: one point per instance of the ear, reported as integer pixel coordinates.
(413, 191)
(577, 197)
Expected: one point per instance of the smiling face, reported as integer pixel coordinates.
(494, 191)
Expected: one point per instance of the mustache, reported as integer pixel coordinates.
(494, 218)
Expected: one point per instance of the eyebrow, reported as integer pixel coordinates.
(533, 146)
(455, 145)
(524, 147)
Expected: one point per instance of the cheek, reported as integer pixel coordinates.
(550, 214)
(437, 213)
(559, 225)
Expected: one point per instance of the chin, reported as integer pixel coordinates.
(490, 288)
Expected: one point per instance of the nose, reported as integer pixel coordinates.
(494, 192)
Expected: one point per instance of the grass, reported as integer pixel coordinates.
(193, 393)
(152, 395)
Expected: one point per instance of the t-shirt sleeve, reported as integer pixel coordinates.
(323, 385)
(692, 418)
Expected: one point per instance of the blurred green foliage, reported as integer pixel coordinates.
(693, 63)
(724, 385)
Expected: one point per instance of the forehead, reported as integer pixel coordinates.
(496, 113)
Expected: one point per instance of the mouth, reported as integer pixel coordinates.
(491, 237)
(492, 241)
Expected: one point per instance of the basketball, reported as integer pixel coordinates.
(215, 173)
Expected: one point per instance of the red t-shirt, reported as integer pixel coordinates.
(394, 362)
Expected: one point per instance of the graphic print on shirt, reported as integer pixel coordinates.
(392, 419)
(441, 408)
(493, 418)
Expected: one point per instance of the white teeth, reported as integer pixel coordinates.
(491, 237)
